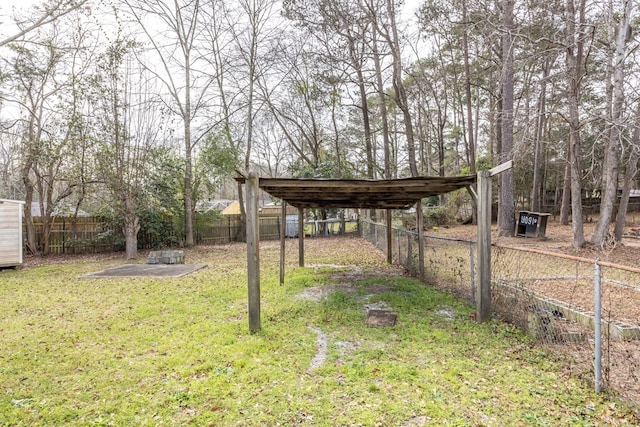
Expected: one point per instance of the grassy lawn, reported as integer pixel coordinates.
(177, 351)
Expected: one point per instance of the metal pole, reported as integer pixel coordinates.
(473, 273)
(598, 331)
(420, 227)
(283, 232)
(389, 240)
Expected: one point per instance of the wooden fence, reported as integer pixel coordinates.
(94, 234)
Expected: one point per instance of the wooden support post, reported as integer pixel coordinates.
(420, 227)
(253, 252)
(283, 232)
(301, 237)
(483, 296)
(389, 239)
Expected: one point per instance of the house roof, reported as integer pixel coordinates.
(268, 210)
(360, 193)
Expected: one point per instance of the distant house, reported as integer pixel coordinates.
(10, 233)
(212, 204)
(63, 209)
(266, 211)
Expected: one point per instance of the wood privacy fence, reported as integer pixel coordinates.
(94, 234)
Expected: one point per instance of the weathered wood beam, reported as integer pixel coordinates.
(301, 237)
(483, 295)
(253, 252)
(283, 231)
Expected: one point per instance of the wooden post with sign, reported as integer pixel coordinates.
(253, 252)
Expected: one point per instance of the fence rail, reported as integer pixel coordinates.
(550, 296)
(94, 235)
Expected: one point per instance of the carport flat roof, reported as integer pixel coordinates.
(360, 193)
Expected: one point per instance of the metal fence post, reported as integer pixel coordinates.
(472, 273)
(598, 331)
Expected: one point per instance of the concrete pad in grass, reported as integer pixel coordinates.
(146, 270)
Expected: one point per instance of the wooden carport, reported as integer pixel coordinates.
(337, 193)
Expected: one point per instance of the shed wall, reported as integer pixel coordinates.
(10, 233)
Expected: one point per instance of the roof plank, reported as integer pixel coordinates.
(360, 193)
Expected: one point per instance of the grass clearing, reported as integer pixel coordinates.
(178, 352)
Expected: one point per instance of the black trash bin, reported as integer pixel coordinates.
(532, 224)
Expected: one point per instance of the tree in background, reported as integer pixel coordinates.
(614, 136)
(129, 132)
(175, 44)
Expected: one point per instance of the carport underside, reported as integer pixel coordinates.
(336, 193)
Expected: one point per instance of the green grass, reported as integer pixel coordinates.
(178, 352)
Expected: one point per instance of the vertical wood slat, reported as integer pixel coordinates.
(253, 252)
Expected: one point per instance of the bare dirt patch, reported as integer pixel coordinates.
(620, 300)
(559, 239)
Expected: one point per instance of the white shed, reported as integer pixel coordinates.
(10, 233)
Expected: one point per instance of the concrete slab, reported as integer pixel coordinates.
(380, 318)
(146, 270)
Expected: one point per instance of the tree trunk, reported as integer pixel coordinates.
(629, 175)
(537, 162)
(565, 205)
(32, 243)
(400, 92)
(612, 154)
(188, 170)
(366, 123)
(506, 217)
(471, 146)
(575, 67)
(383, 105)
(131, 228)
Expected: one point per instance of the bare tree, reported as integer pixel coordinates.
(175, 46)
(130, 126)
(45, 14)
(45, 75)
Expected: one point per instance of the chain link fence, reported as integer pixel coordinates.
(550, 296)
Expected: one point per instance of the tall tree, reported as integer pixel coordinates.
(615, 130)
(175, 45)
(130, 129)
(575, 62)
(45, 74)
(506, 217)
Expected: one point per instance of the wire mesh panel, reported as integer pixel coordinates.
(449, 263)
(550, 296)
